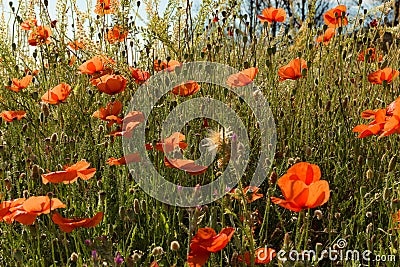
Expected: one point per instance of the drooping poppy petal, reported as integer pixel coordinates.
(68, 225)
(58, 94)
(170, 143)
(18, 85)
(242, 78)
(186, 89)
(10, 115)
(134, 157)
(70, 174)
(186, 165)
(327, 36)
(110, 113)
(250, 193)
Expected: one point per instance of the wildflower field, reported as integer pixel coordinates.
(88, 89)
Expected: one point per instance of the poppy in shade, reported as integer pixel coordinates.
(70, 174)
(205, 242)
(68, 225)
(293, 70)
(57, 94)
(302, 188)
(327, 36)
(242, 78)
(186, 165)
(39, 36)
(110, 113)
(10, 115)
(336, 17)
(261, 256)
(186, 89)
(369, 56)
(124, 160)
(139, 76)
(385, 75)
(271, 14)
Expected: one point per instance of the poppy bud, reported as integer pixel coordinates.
(121, 212)
(318, 214)
(273, 177)
(54, 138)
(102, 196)
(286, 240)
(136, 207)
(328, 106)
(368, 214)
(2, 148)
(369, 174)
(297, 160)
(138, 3)
(337, 215)
(291, 161)
(7, 184)
(369, 228)
(157, 251)
(175, 245)
(35, 171)
(74, 257)
(143, 204)
(234, 258)
(392, 163)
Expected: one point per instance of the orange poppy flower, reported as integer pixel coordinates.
(387, 74)
(271, 14)
(373, 128)
(293, 70)
(242, 78)
(327, 36)
(261, 256)
(18, 85)
(371, 56)
(250, 192)
(139, 76)
(186, 165)
(70, 174)
(76, 45)
(335, 18)
(186, 89)
(28, 24)
(104, 7)
(302, 188)
(110, 113)
(124, 160)
(9, 116)
(205, 242)
(170, 143)
(6, 208)
(68, 225)
(116, 34)
(39, 36)
(96, 65)
(131, 121)
(166, 65)
(27, 212)
(110, 84)
(58, 94)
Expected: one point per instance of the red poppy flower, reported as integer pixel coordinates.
(242, 78)
(110, 84)
(336, 17)
(327, 36)
(293, 70)
(154, 264)
(27, 212)
(186, 165)
(373, 128)
(124, 160)
(58, 94)
(166, 65)
(39, 36)
(116, 34)
(170, 143)
(302, 188)
(271, 14)
(70, 174)
(110, 113)
(105, 6)
(261, 256)
(68, 225)
(76, 45)
(139, 76)
(18, 85)
(250, 193)
(28, 24)
(186, 89)
(371, 56)
(387, 74)
(205, 242)
(9, 116)
(7, 207)
(131, 121)
(96, 65)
